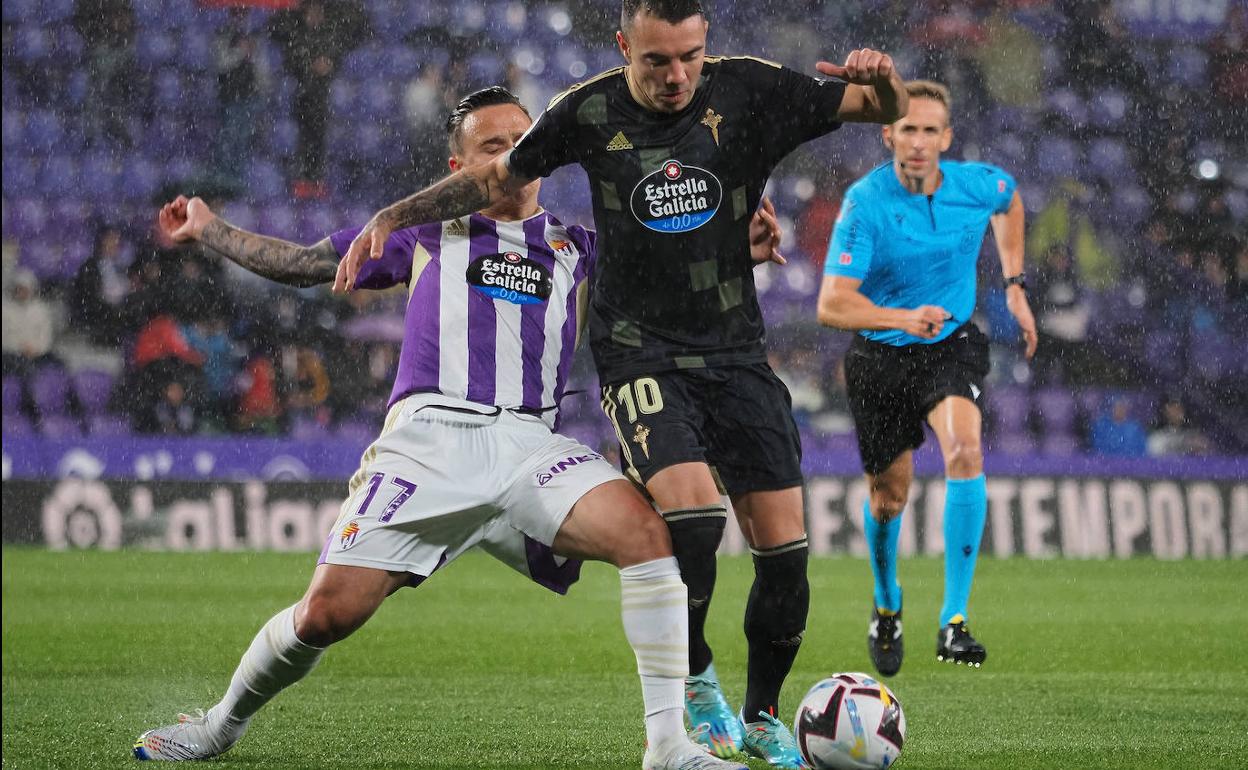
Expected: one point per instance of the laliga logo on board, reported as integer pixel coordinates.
(676, 198)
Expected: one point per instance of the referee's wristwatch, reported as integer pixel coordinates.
(1019, 280)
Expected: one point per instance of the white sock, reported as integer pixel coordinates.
(275, 660)
(654, 606)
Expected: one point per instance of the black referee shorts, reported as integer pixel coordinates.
(737, 419)
(892, 389)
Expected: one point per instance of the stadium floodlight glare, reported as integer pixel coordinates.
(1208, 169)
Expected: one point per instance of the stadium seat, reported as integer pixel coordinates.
(1060, 444)
(356, 431)
(1058, 157)
(1012, 443)
(107, 425)
(20, 174)
(59, 426)
(50, 385)
(12, 395)
(59, 176)
(31, 43)
(155, 48)
(94, 387)
(265, 181)
(17, 425)
(307, 429)
(1056, 407)
(279, 220)
(1164, 355)
(1009, 408)
(1107, 110)
(1110, 161)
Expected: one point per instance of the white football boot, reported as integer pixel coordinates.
(680, 753)
(193, 737)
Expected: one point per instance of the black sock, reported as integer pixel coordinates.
(696, 533)
(775, 620)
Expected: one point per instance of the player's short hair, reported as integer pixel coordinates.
(671, 11)
(930, 89)
(486, 97)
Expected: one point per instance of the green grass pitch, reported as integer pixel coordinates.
(1135, 664)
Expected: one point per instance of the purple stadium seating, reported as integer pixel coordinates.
(279, 220)
(59, 426)
(1056, 407)
(94, 389)
(356, 430)
(1164, 354)
(12, 395)
(108, 425)
(154, 48)
(50, 385)
(17, 425)
(1061, 444)
(20, 175)
(1058, 157)
(1011, 443)
(1009, 407)
(307, 429)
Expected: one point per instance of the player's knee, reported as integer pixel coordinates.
(322, 619)
(887, 507)
(696, 532)
(966, 460)
(648, 540)
(780, 599)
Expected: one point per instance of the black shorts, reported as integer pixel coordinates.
(737, 419)
(892, 389)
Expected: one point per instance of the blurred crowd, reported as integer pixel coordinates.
(299, 117)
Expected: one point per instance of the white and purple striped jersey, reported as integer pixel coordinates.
(492, 312)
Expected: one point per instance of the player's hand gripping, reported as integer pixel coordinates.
(1016, 301)
(765, 235)
(184, 219)
(864, 67)
(925, 321)
(369, 244)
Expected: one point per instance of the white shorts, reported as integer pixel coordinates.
(447, 475)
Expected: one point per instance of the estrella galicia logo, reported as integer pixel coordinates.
(676, 198)
(511, 277)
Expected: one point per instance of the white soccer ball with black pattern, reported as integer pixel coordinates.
(850, 721)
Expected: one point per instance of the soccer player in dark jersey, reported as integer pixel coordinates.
(678, 146)
(467, 410)
(901, 271)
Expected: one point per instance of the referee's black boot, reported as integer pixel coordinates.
(884, 642)
(954, 644)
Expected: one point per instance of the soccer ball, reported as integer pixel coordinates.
(850, 721)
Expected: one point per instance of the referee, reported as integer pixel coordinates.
(900, 271)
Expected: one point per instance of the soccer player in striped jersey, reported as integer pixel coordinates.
(678, 146)
(468, 455)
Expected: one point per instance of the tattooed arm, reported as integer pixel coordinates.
(186, 220)
(463, 192)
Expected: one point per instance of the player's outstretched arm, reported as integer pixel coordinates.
(843, 306)
(461, 193)
(190, 219)
(1007, 230)
(876, 92)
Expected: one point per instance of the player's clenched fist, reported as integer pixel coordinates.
(863, 67)
(183, 219)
